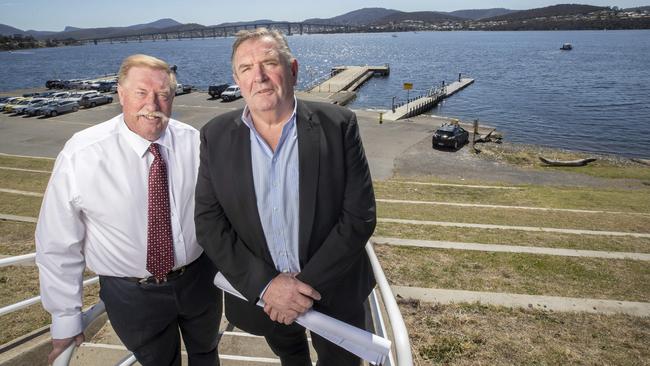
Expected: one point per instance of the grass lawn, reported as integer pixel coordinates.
(16, 238)
(515, 217)
(24, 181)
(637, 200)
(19, 283)
(16, 204)
(26, 163)
(475, 334)
(518, 273)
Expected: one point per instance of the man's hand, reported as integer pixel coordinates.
(286, 298)
(59, 345)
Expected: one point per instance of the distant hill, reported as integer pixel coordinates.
(7, 30)
(476, 14)
(86, 33)
(39, 34)
(232, 24)
(158, 24)
(71, 29)
(423, 16)
(549, 11)
(363, 16)
(640, 8)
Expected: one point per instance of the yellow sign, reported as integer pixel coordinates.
(408, 86)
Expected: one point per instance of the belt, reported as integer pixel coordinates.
(172, 275)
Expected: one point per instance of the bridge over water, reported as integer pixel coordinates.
(195, 32)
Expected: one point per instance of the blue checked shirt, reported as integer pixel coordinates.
(275, 175)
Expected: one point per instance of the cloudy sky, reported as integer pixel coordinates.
(55, 15)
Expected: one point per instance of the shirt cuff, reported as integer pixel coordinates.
(66, 326)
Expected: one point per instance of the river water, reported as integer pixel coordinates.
(595, 98)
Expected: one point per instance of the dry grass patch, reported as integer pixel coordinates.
(514, 217)
(16, 204)
(518, 273)
(474, 334)
(24, 181)
(16, 238)
(514, 237)
(637, 200)
(26, 163)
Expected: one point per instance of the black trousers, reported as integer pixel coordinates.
(290, 344)
(147, 317)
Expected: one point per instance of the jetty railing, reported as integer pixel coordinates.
(401, 343)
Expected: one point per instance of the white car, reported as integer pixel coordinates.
(231, 93)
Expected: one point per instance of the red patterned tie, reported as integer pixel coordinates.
(160, 247)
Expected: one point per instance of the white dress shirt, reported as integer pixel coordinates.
(94, 212)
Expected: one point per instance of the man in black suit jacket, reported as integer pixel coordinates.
(327, 206)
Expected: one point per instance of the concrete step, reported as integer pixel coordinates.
(236, 348)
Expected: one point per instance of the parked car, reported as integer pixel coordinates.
(54, 84)
(60, 95)
(36, 109)
(216, 90)
(94, 99)
(76, 96)
(20, 109)
(450, 135)
(183, 89)
(231, 93)
(106, 86)
(60, 107)
(9, 100)
(11, 103)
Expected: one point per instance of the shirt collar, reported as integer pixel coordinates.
(248, 120)
(139, 144)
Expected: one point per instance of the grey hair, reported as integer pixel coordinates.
(257, 33)
(151, 62)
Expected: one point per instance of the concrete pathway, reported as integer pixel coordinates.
(452, 185)
(459, 204)
(22, 193)
(539, 302)
(25, 170)
(510, 248)
(4, 217)
(508, 227)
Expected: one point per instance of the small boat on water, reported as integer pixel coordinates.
(566, 47)
(579, 162)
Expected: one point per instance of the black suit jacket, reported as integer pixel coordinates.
(336, 210)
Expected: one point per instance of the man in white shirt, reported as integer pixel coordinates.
(121, 202)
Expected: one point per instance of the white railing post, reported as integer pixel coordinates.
(400, 334)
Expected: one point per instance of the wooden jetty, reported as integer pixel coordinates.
(427, 101)
(340, 87)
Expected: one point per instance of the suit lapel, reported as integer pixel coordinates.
(244, 186)
(308, 165)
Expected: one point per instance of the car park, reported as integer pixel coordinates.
(216, 90)
(94, 99)
(59, 107)
(231, 93)
(450, 135)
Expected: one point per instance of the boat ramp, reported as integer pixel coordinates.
(340, 87)
(427, 101)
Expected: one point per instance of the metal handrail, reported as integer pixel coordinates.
(10, 261)
(87, 317)
(35, 300)
(400, 334)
